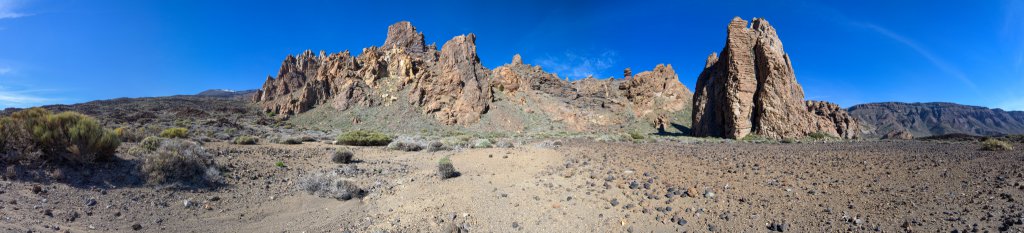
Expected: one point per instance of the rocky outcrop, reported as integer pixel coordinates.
(406, 76)
(450, 85)
(656, 94)
(403, 35)
(750, 88)
(517, 77)
(460, 92)
(931, 119)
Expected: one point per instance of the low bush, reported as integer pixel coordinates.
(245, 140)
(342, 157)
(151, 143)
(66, 136)
(330, 186)
(445, 169)
(993, 144)
(180, 162)
(176, 132)
(637, 135)
(127, 134)
(290, 141)
(819, 135)
(482, 143)
(504, 144)
(363, 138)
(407, 144)
(436, 146)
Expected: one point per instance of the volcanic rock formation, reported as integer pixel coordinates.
(453, 87)
(451, 84)
(751, 89)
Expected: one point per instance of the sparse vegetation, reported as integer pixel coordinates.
(180, 162)
(445, 169)
(176, 132)
(992, 144)
(330, 186)
(245, 140)
(279, 164)
(363, 138)
(66, 136)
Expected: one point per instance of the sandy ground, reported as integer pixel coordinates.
(581, 186)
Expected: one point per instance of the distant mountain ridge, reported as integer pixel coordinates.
(227, 93)
(936, 118)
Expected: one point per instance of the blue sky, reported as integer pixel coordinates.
(848, 52)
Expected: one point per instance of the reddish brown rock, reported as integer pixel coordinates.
(656, 95)
(460, 92)
(750, 88)
(404, 35)
(516, 77)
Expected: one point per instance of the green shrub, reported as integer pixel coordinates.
(246, 140)
(66, 136)
(342, 156)
(637, 135)
(180, 162)
(291, 141)
(445, 169)
(482, 143)
(993, 144)
(176, 132)
(363, 138)
(151, 143)
(279, 164)
(819, 135)
(753, 137)
(127, 134)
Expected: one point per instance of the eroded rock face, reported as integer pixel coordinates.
(450, 84)
(656, 94)
(751, 88)
(460, 92)
(404, 35)
(516, 77)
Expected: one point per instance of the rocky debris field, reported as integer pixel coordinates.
(576, 185)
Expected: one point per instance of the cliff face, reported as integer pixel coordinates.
(928, 119)
(751, 88)
(452, 87)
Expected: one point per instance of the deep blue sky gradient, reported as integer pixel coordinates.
(848, 52)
